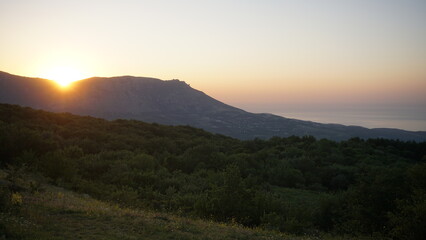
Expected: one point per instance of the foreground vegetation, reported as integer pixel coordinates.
(43, 211)
(153, 179)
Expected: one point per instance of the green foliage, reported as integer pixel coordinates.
(5, 198)
(409, 221)
(58, 165)
(227, 201)
(297, 185)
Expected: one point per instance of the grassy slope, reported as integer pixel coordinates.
(55, 213)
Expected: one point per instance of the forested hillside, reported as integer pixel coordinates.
(298, 185)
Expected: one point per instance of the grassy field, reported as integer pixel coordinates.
(44, 211)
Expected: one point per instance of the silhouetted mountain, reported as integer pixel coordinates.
(171, 102)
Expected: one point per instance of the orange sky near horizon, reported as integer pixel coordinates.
(244, 53)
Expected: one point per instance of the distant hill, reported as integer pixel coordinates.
(172, 102)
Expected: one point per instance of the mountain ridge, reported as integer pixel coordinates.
(172, 102)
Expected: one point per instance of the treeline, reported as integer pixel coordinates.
(301, 185)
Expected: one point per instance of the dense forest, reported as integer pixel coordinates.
(299, 185)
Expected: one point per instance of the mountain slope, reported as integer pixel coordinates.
(171, 102)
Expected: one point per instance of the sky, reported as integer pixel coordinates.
(263, 56)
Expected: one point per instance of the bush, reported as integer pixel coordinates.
(410, 221)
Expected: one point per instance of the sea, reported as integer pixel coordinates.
(407, 119)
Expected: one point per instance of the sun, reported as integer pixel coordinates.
(64, 76)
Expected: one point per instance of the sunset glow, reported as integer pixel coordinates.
(257, 55)
(63, 76)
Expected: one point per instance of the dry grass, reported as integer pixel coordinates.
(56, 213)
